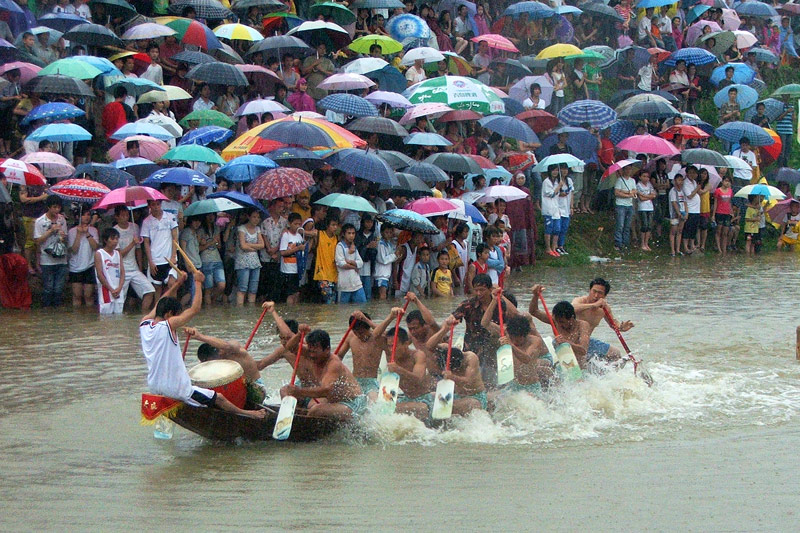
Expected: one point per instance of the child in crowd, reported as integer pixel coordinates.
(752, 217)
(647, 193)
(292, 244)
(551, 188)
(496, 262)
(790, 226)
(348, 264)
(110, 273)
(421, 275)
(367, 245)
(82, 241)
(442, 277)
(722, 215)
(383, 262)
(479, 266)
(678, 213)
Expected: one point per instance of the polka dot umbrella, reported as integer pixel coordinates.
(80, 190)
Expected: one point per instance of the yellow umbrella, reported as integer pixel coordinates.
(169, 94)
(559, 50)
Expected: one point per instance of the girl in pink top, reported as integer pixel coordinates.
(722, 215)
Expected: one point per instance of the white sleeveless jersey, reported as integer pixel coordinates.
(407, 267)
(110, 265)
(167, 374)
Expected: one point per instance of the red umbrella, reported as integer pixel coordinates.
(131, 196)
(149, 148)
(459, 115)
(684, 130)
(660, 53)
(519, 162)
(482, 161)
(80, 190)
(280, 183)
(21, 173)
(538, 119)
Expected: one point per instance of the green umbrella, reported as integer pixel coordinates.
(207, 117)
(590, 56)
(193, 152)
(71, 67)
(387, 44)
(210, 205)
(458, 92)
(116, 8)
(347, 201)
(793, 89)
(339, 13)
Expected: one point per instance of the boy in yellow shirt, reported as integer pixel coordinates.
(442, 277)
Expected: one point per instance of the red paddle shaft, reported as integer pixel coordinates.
(297, 359)
(500, 312)
(253, 333)
(397, 328)
(449, 347)
(613, 325)
(186, 346)
(346, 333)
(549, 317)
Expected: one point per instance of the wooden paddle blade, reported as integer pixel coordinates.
(283, 424)
(505, 364)
(383, 366)
(388, 389)
(567, 362)
(443, 400)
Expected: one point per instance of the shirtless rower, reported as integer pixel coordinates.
(336, 383)
(465, 371)
(591, 309)
(571, 329)
(286, 330)
(411, 366)
(420, 322)
(367, 342)
(166, 370)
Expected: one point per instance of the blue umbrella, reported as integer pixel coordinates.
(622, 129)
(60, 133)
(568, 10)
(245, 168)
(471, 211)
(348, 104)
(62, 22)
(734, 131)
(535, 10)
(138, 167)
(207, 135)
(595, 113)
(764, 55)
(428, 173)
(240, 198)
(142, 128)
(742, 73)
(695, 12)
(136, 86)
(772, 110)
(389, 79)
(52, 112)
(426, 139)
(644, 4)
(363, 164)
(510, 127)
(101, 63)
(298, 133)
(513, 107)
(581, 141)
(747, 96)
(108, 175)
(697, 56)
(753, 8)
(408, 220)
(403, 26)
(179, 176)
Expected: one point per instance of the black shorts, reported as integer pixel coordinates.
(690, 228)
(703, 223)
(86, 277)
(159, 277)
(201, 397)
(291, 283)
(723, 220)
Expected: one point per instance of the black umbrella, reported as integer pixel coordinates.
(296, 158)
(395, 159)
(789, 175)
(455, 163)
(61, 22)
(218, 73)
(513, 108)
(534, 64)
(116, 8)
(205, 9)
(409, 184)
(93, 35)
(364, 164)
(428, 173)
(8, 52)
(514, 68)
(109, 175)
(264, 5)
(58, 84)
(280, 44)
(602, 10)
(381, 125)
(651, 110)
(192, 58)
(703, 156)
(297, 133)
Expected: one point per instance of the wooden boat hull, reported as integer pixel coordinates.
(219, 425)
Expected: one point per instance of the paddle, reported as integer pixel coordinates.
(189, 265)
(564, 356)
(445, 389)
(346, 334)
(186, 346)
(283, 424)
(505, 355)
(390, 381)
(258, 325)
(638, 365)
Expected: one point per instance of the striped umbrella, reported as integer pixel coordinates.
(736, 130)
(592, 112)
(745, 97)
(772, 110)
(238, 32)
(80, 190)
(192, 32)
(205, 9)
(280, 183)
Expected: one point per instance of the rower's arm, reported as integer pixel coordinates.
(525, 356)
(294, 342)
(283, 329)
(471, 372)
(197, 304)
(486, 321)
(437, 337)
(272, 358)
(169, 292)
(418, 372)
(533, 307)
(380, 329)
(213, 341)
(331, 376)
(427, 316)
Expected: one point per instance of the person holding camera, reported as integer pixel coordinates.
(50, 235)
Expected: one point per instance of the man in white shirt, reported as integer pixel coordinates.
(129, 247)
(665, 27)
(154, 71)
(648, 74)
(749, 156)
(691, 191)
(644, 27)
(624, 193)
(416, 72)
(159, 231)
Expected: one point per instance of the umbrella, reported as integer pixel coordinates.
(281, 21)
(592, 112)
(179, 176)
(703, 156)
(409, 184)
(483, 162)
(622, 129)
(108, 175)
(767, 191)
(218, 74)
(522, 89)
(788, 175)
(58, 85)
(93, 35)
(388, 79)
(300, 133)
(408, 220)
(742, 73)
(101, 63)
(466, 210)
(136, 86)
(163, 121)
(567, 160)
(426, 139)
(744, 39)
(770, 153)
(426, 54)
(168, 93)
(347, 201)
(238, 32)
(192, 57)
(734, 131)
(659, 53)
(780, 209)
(210, 205)
(21, 173)
(130, 196)
(240, 198)
(433, 110)
(61, 22)
(611, 174)
(377, 4)
(80, 190)
(60, 133)
(194, 33)
(515, 69)
(345, 82)
(148, 30)
(534, 10)
(746, 96)
(502, 192)
(142, 128)
(331, 10)
(27, 71)
(454, 163)
(207, 135)
(294, 157)
(696, 56)
(245, 168)
(279, 183)
(582, 143)
(650, 110)
(696, 30)
(427, 172)
(387, 44)
(259, 107)
(139, 167)
(459, 115)
(510, 127)
(207, 117)
(405, 26)
(641, 97)
(364, 65)
(753, 8)
(348, 104)
(792, 89)
(378, 125)
(685, 131)
(314, 30)
(116, 8)
(72, 68)
(559, 50)
(205, 9)
(648, 144)
(764, 55)
(602, 10)
(695, 13)
(363, 164)
(52, 165)
(432, 207)
(52, 112)
(193, 152)
(496, 42)
(457, 92)
(736, 163)
(395, 159)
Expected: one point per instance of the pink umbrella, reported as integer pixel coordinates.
(696, 29)
(730, 19)
(502, 192)
(21, 173)
(432, 207)
(460, 114)
(27, 71)
(260, 106)
(612, 173)
(498, 42)
(648, 144)
(80, 190)
(345, 82)
(389, 98)
(779, 210)
(52, 165)
(249, 69)
(434, 109)
(149, 148)
(131, 196)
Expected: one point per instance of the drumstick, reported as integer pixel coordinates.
(189, 265)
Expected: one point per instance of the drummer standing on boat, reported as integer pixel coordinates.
(166, 371)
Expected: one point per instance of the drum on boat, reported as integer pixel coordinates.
(224, 376)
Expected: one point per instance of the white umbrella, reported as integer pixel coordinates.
(737, 163)
(148, 30)
(502, 192)
(169, 94)
(425, 53)
(365, 65)
(165, 122)
(522, 89)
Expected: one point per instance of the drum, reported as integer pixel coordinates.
(224, 376)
